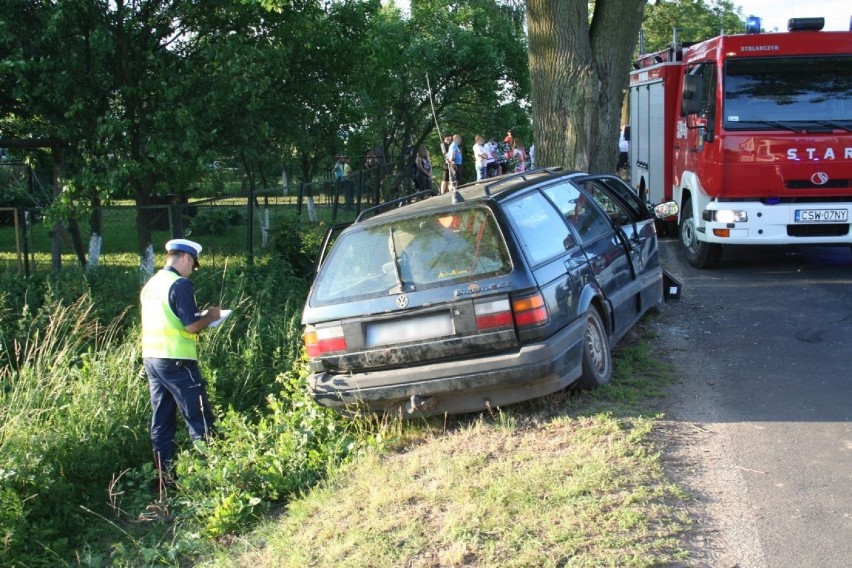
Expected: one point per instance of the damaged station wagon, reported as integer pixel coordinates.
(505, 290)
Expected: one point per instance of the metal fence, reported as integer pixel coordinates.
(244, 225)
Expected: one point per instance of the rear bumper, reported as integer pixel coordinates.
(464, 385)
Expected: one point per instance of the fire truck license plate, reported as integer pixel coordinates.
(822, 216)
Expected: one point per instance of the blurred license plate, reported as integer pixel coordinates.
(822, 216)
(409, 329)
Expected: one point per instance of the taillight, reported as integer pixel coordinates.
(493, 314)
(320, 341)
(530, 310)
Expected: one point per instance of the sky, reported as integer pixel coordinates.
(775, 13)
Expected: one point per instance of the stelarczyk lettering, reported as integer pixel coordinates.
(761, 48)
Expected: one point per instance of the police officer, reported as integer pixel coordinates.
(171, 322)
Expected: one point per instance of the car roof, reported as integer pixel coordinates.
(471, 193)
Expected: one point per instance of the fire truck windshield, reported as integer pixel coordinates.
(790, 93)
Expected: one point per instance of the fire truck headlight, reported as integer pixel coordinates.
(730, 216)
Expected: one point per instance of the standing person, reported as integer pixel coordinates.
(623, 147)
(337, 170)
(423, 164)
(454, 160)
(348, 184)
(171, 322)
(519, 153)
(445, 179)
(480, 156)
(347, 167)
(370, 183)
(503, 155)
(532, 156)
(370, 159)
(491, 167)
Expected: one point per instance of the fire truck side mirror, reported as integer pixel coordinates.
(692, 90)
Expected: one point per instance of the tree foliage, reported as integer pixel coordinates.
(694, 20)
(147, 94)
(474, 55)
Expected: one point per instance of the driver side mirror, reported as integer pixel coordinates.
(666, 209)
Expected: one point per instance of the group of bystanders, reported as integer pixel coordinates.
(491, 159)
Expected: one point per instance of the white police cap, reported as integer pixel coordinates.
(185, 245)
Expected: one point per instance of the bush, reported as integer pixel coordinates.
(248, 351)
(252, 466)
(14, 192)
(216, 220)
(298, 246)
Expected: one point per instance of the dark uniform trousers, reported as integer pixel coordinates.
(176, 384)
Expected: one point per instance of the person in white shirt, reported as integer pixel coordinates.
(481, 156)
(491, 165)
(623, 148)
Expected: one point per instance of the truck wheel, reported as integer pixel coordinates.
(597, 358)
(699, 254)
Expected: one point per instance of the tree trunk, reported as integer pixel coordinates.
(144, 231)
(58, 227)
(77, 239)
(578, 73)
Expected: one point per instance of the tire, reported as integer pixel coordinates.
(597, 357)
(699, 254)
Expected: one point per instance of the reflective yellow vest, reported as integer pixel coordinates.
(163, 334)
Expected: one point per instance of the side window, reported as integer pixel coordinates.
(582, 215)
(627, 195)
(708, 75)
(540, 227)
(614, 210)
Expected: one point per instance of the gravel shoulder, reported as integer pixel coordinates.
(696, 440)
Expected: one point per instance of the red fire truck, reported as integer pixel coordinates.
(751, 135)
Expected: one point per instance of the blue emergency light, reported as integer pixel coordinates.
(752, 25)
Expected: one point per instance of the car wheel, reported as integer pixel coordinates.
(597, 358)
(699, 254)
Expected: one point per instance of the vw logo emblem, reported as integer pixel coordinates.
(402, 301)
(819, 178)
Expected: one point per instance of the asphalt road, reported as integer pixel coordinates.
(763, 350)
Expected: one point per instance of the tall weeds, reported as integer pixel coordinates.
(74, 418)
(72, 409)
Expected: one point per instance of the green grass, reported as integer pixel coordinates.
(568, 480)
(572, 479)
(220, 239)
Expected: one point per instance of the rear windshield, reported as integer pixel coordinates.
(436, 249)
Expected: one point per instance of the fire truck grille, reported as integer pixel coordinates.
(806, 199)
(808, 184)
(827, 230)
